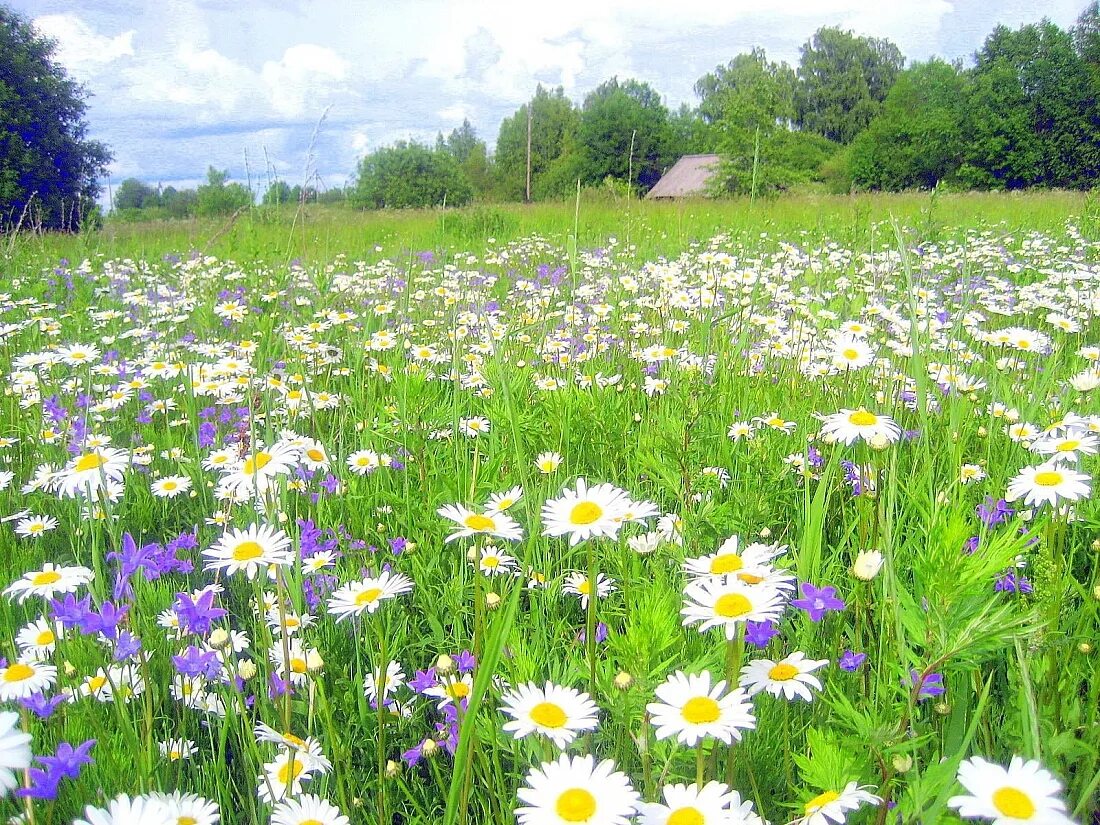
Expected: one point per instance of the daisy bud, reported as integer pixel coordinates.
(982, 432)
(828, 438)
(246, 669)
(314, 660)
(492, 600)
(623, 680)
(392, 769)
(867, 565)
(429, 747)
(1096, 545)
(879, 442)
(1096, 592)
(942, 708)
(472, 555)
(283, 517)
(521, 364)
(902, 762)
(219, 638)
(1085, 648)
(70, 668)
(444, 665)
(766, 533)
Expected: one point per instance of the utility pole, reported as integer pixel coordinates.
(529, 151)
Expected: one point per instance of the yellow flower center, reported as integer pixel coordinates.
(18, 672)
(732, 605)
(1068, 446)
(294, 740)
(298, 665)
(851, 354)
(44, 638)
(505, 503)
(750, 578)
(782, 672)
(585, 512)
(289, 771)
(775, 422)
(96, 683)
(548, 715)
(458, 690)
(311, 822)
(585, 588)
(247, 550)
(369, 596)
(726, 563)
(1013, 803)
(90, 461)
(821, 800)
(1048, 478)
(862, 418)
(315, 454)
(46, 577)
(700, 710)
(686, 816)
(576, 805)
(185, 820)
(491, 562)
(1023, 343)
(480, 523)
(256, 462)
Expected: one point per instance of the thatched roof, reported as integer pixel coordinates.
(687, 178)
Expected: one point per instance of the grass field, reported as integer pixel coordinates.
(557, 471)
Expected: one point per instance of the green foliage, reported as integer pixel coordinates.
(843, 80)
(624, 130)
(783, 160)
(49, 169)
(554, 122)
(410, 175)
(133, 194)
(472, 156)
(917, 140)
(216, 197)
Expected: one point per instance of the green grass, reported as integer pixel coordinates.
(1018, 669)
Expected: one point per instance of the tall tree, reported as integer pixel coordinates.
(472, 155)
(218, 197)
(554, 122)
(918, 138)
(843, 79)
(1033, 112)
(624, 131)
(49, 169)
(133, 194)
(410, 175)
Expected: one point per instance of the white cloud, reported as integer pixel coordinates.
(79, 48)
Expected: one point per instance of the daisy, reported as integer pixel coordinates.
(473, 427)
(247, 551)
(176, 749)
(1022, 792)
(571, 790)
(363, 462)
(313, 455)
(577, 584)
(38, 640)
(715, 804)
(259, 469)
(470, 523)
(792, 676)
(691, 710)
(848, 425)
(283, 777)
(366, 595)
(34, 526)
(395, 678)
(451, 690)
(123, 810)
(15, 752)
(774, 422)
(547, 462)
(494, 563)
(170, 486)
(1048, 484)
(558, 713)
(308, 749)
(971, 472)
(731, 559)
(307, 809)
(585, 512)
(1066, 448)
(727, 602)
(189, 809)
(850, 353)
(89, 472)
(832, 806)
(499, 502)
(49, 582)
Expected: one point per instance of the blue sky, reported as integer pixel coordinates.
(298, 88)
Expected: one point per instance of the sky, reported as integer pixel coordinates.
(301, 89)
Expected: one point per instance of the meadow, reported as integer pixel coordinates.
(603, 512)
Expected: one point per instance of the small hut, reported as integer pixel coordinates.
(687, 178)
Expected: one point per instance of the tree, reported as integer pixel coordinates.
(410, 175)
(279, 193)
(624, 131)
(216, 197)
(690, 133)
(178, 203)
(843, 79)
(554, 122)
(472, 156)
(918, 138)
(49, 169)
(1033, 111)
(133, 194)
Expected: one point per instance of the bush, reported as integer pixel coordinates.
(410, 175)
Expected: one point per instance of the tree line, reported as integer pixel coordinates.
(849, 116)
